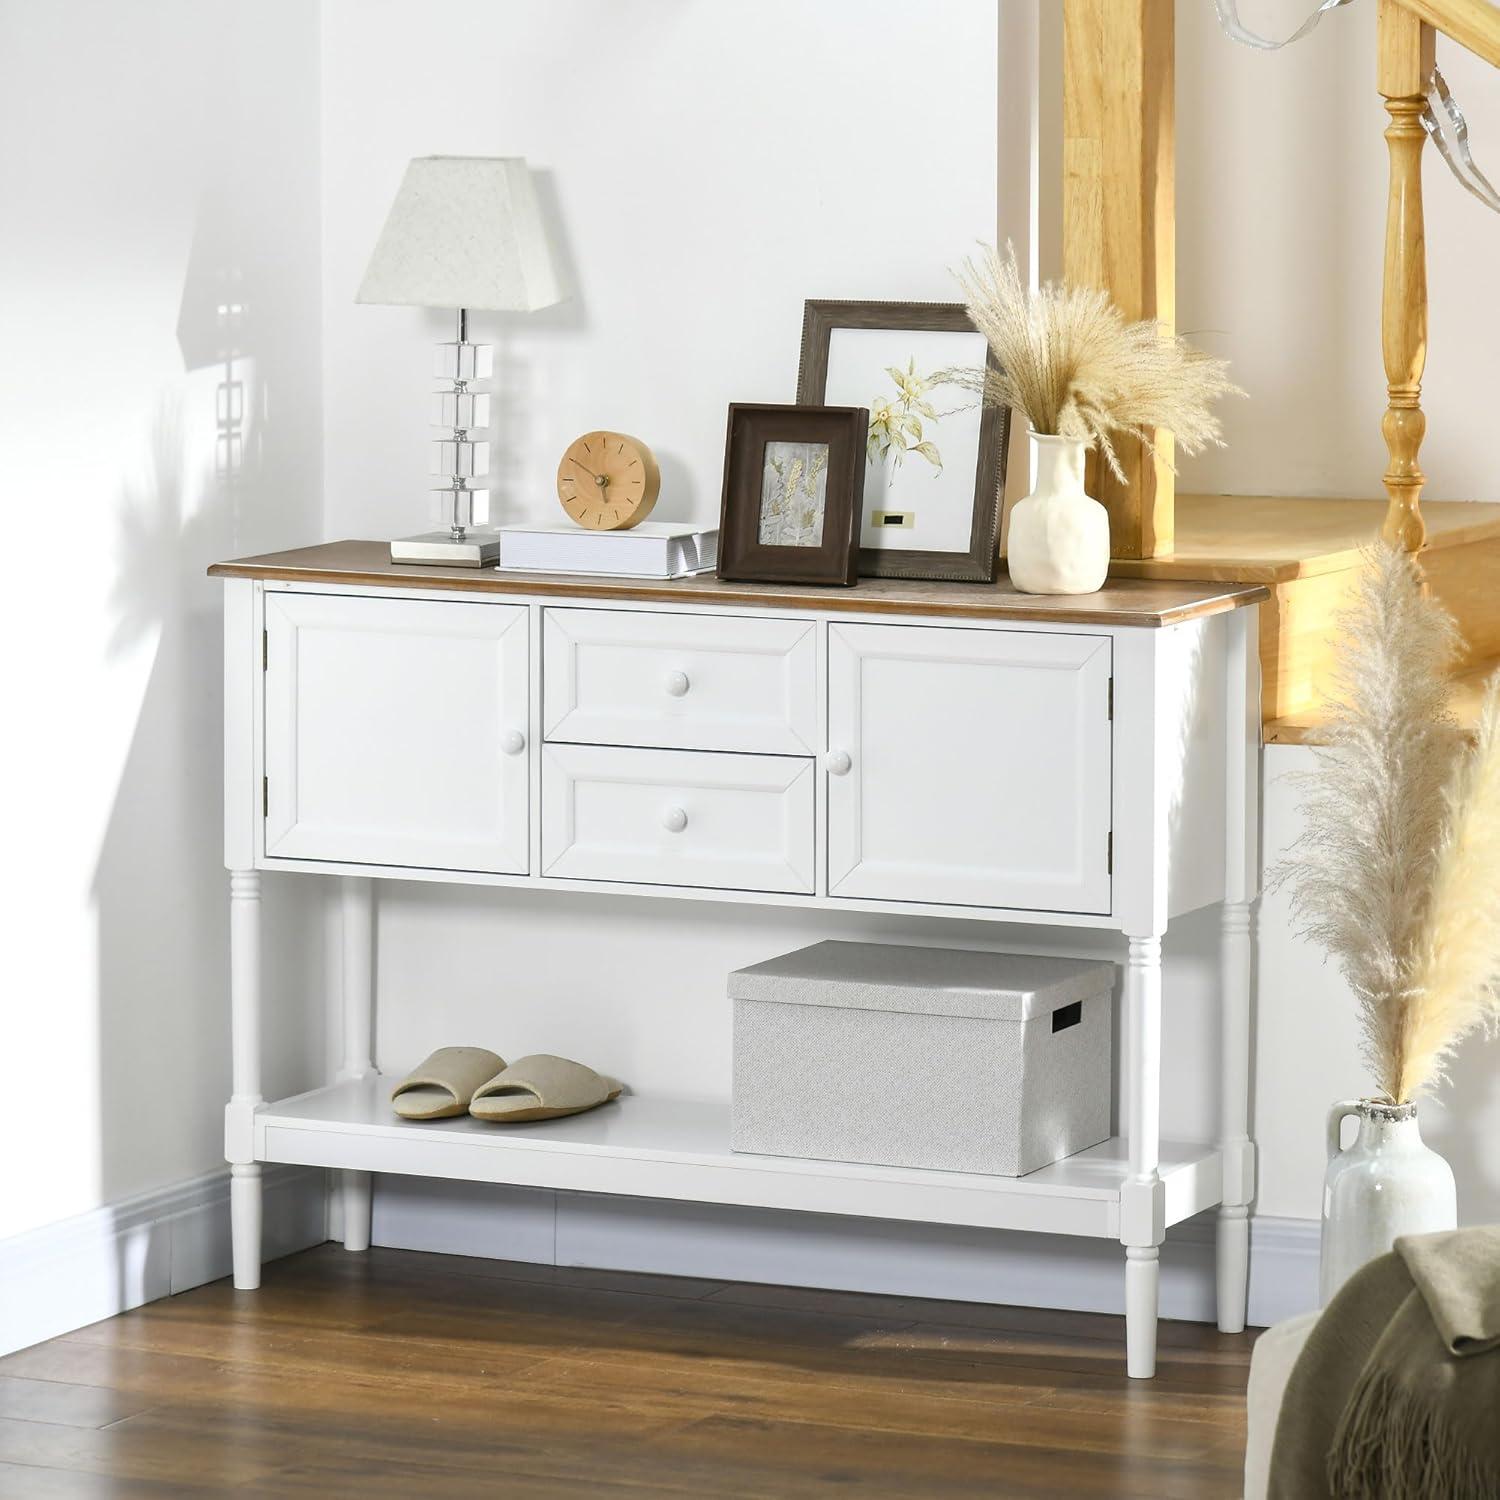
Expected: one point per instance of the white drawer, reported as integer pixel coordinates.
(677, 817)
(681, 682)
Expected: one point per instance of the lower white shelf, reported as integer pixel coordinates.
(654, 1147)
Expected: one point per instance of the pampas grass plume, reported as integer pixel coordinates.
(1072, 365)
(1373, 810)
(1454, 985)
(1397, 872)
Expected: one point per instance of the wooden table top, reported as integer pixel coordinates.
(1122, 601)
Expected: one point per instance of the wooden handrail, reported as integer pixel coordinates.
(1474, 24)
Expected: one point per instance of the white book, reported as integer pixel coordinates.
(653, 549)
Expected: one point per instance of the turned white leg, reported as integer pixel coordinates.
(357, 902)
(1233, 1250)
(245, 1198)
(1241, 884)
(239, 1115)
(1142, 1199)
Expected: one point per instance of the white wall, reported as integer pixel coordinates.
(707, 166)
(156, 160)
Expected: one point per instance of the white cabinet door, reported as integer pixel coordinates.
(969, 767)
(396, 732)
(680, 682)
(678, 817)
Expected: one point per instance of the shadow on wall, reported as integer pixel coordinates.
(222, 476)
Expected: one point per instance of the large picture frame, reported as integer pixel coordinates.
(793, 478)
(935, 458)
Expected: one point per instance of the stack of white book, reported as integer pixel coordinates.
(653, 549)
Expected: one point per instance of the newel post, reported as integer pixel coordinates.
(1119, 212)
(1406, 56)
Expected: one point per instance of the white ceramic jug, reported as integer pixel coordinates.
(1058, 542)
(1386, 1184)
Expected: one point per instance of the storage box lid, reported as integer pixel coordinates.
(924, 981)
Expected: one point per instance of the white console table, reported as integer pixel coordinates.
(943, 749)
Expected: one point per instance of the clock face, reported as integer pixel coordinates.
(608, 481)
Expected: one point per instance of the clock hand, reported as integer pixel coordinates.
(589, 472)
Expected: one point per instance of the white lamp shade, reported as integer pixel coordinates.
(464, 231)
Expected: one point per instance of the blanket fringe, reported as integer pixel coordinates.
(1392, 1446)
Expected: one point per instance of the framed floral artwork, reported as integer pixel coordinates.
(793, 476)
(934, 458)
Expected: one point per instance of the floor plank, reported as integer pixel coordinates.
(396, 1372)
(69, 1405)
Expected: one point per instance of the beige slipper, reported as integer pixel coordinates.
(444, 1084)
(541, 1087)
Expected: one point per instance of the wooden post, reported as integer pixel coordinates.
(1406, 55)
(1119, 225)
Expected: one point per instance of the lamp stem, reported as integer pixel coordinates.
(459, 523)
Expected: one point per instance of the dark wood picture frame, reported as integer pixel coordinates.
(742, 554)
(980, 562)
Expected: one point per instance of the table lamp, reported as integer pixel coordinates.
(464, 232)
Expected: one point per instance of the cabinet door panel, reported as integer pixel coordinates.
(978, 767)
(396, 732)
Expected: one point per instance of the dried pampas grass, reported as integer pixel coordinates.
(1397, 873)
(1073, 366)
(1454, 985)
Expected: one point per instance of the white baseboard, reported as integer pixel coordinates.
(867, 1255)
(79, 1270)
(1283, 1268)
(65, 1275)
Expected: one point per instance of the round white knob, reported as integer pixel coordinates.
(839, 762)
(677, 684)
(513, 742)
(674, 820)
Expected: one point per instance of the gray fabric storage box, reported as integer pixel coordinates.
(921, 1057)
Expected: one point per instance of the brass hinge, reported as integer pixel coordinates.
(265, 649)
(265, 796)
(1109, 855)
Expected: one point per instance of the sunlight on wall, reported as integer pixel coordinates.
(159, 287)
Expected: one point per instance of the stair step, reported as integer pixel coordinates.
(1277, 538)
(1310, 728)
(1306, 551)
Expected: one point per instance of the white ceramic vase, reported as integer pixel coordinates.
(1387, 1183)
(1059, 536)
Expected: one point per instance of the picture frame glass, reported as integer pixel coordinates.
(924, 442)
(793, 494)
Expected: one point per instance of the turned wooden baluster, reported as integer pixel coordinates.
(1406, 50)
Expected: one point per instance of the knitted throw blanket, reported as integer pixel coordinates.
(1396, 1395)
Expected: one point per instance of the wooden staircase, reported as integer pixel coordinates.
(1119, 233)
(1305, 552)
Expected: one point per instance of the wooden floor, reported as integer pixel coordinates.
(394, 1373)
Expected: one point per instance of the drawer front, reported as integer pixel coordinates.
(680, 682)
(677, 817)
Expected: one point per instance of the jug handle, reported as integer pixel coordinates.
(1336, 1117)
